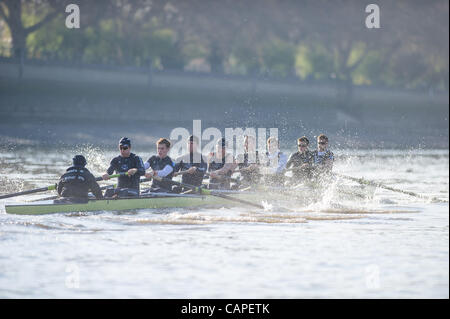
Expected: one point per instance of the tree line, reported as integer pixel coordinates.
(316, 40)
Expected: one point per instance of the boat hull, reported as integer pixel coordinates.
(50, 207)
(303, 196)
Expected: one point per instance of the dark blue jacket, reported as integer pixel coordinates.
(121, 164)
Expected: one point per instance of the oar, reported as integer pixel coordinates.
(207, 192)
(207, 176)
(49, 188)
(235, 180)
(31, 191)
(372, 183)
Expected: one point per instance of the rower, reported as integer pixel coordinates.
(275, 163)
(77, 181)
(191, 166)
(220, 166)
(249, 162)
(323, 158)
(128, 185)
(162, 166)
(301, 161)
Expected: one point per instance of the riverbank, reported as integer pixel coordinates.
(62, 105)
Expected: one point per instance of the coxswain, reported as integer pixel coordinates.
(77, 181)
(160, 165)
(191, 166)
(249, 162)
(275, 163)
(323, 158)
(220, 166)
(128, 185)
(300, 162)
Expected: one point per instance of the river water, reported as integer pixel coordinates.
(392, 246)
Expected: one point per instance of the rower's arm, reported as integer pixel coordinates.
(95, 189)
(329, 162)
(226, 168)
(178, 166)
(59, 187)
(230, 165)
(203, 167)
(165, 171)
(140, 167)
(112, 167)
(281, 164)
(290, 161)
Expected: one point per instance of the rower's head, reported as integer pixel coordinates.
(192, 144)
(302, 144)
(79, 161)
(322, 142)
(249, 143)
(125, 147)
(272, 144)
(221, 146)
(163, 147)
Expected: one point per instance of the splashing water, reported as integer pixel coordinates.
(95, 157)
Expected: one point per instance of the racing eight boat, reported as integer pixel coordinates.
(257, 195)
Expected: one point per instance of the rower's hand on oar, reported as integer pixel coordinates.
(132, 171)
(149, 174)
(213, 175)
(105, 177)
(250, 168)
(191, 170)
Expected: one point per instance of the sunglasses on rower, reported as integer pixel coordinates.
(124, 148)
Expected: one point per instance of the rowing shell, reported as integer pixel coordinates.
(143, 202)
(165, 200)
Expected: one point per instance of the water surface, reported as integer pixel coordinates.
(393, 246)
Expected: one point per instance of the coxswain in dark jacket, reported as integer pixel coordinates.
(128, 185)
(78, 181)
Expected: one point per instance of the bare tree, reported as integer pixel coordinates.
(11, 12)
